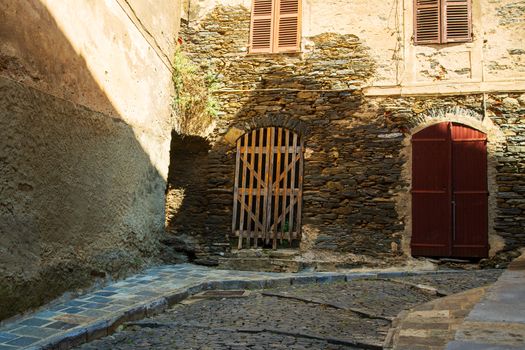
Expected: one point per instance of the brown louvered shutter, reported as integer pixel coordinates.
(457, 21)
(427, 20)
(261, 32)
(288, 23)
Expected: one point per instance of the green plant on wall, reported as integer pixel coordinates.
(194, 104)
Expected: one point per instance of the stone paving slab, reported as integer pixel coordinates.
(500, 304)
(432, 325)
(487, 318)
(498, 320)
(99, 313)
(463, 345)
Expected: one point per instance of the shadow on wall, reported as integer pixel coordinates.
(349, 172)
(79, 198)
(349, 169)
(186, 200)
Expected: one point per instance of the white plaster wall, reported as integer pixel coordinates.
(194, 10)
(503, 33)
(123, 47)
(159, 19)
(129, 71)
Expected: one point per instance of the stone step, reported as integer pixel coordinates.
(269, 264)
(266, 264)
(270, 253)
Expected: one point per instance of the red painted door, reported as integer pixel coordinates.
(449, 192)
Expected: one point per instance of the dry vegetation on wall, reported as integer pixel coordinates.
(194, 104)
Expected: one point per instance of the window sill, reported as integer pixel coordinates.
(441, 45)
(288, 53)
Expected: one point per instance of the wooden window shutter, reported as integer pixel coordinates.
(288, 25)
(427, 19)
(457, 23)
(262, 24)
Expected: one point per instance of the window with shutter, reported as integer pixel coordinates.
(442, 21)
(288, 24)
(262, 26)
(275, 26)
(457, 23)
(427, 21)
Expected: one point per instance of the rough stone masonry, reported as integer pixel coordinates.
(356, 170)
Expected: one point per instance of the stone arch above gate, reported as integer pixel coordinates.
(290, 123)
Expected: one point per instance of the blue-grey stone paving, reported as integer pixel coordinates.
(100, 312)
(137, 296)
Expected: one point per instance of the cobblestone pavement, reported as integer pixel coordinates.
(344, 315)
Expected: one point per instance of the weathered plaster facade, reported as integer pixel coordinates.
(85, 93)
(494, 60)
(357, 92)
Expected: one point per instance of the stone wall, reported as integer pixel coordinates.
(508, 113)
(186, 200)
(84, 142)
(357, 159)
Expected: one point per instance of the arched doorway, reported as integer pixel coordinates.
(449, 192)
(268, 185)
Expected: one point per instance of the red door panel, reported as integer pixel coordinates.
(431, 231)
(469, 192)
(470, 238)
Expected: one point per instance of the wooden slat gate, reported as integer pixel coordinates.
(449, 192)
(268, 188)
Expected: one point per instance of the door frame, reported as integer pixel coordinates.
(447, 189)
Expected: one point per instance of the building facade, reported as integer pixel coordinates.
(355, 130)
(85, 109)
